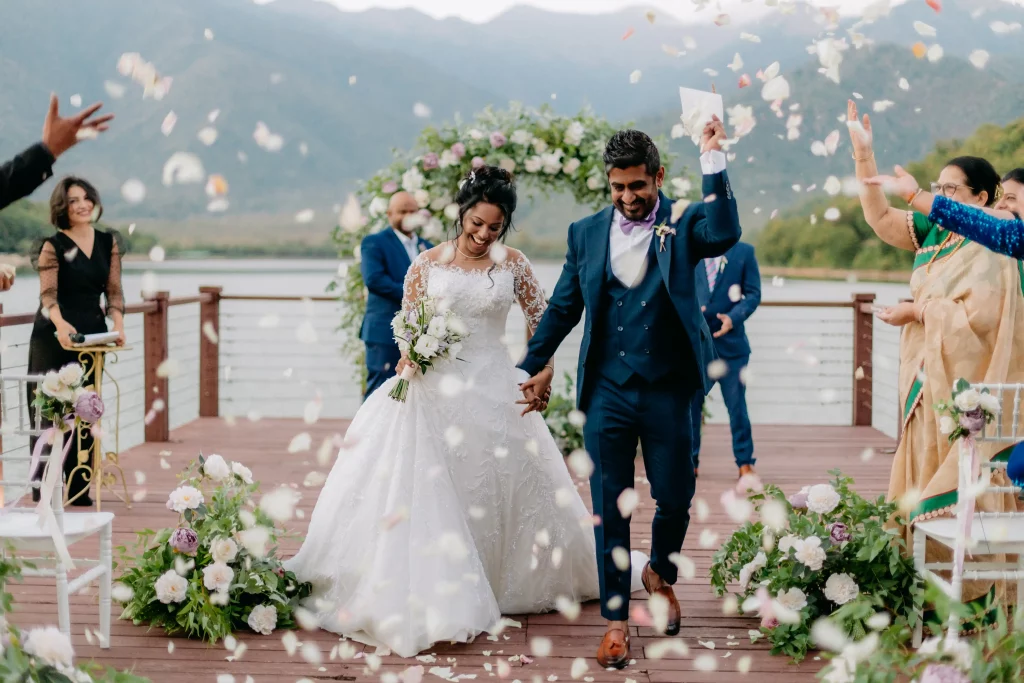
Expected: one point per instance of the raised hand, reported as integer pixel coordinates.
(61, 134)
(901, 183)
(860, 131)
(713, 135)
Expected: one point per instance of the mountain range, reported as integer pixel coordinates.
(340, 90)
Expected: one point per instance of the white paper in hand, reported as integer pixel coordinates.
(698, 107)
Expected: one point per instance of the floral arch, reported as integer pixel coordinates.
(546, 151)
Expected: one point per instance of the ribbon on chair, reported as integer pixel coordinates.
(965, 515)
(54, 470)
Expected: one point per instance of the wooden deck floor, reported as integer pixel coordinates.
(788, 456)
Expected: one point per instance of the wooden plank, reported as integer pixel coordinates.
(788, 456)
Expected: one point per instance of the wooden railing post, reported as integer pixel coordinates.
(209, 355)
(157, 388)
(863, 345)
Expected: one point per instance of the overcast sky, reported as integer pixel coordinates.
(483, 10)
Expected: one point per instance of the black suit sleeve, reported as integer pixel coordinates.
(24, 173)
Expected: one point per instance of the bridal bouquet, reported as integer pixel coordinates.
(968, 412)
(425, 334)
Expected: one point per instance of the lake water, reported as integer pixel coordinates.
(283, 358)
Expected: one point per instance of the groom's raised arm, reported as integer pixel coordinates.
(715, 225)
(562, 314)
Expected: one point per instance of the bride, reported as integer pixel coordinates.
(448, 510)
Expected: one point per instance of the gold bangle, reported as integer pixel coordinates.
(867, 158)
(910, 202)
(550, 366)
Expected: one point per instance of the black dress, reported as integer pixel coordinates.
(75, 282)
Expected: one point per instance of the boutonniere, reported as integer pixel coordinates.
(721, 266)
(423, 247)
(663, 231)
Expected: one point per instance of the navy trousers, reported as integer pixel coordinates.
(734, 393)
(617, 417)
(381, 360)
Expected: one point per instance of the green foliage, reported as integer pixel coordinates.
(887, 657)
(259, 577)
(565, 422)
(874, 556)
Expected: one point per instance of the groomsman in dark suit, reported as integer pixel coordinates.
(729, 291)
(386, 256)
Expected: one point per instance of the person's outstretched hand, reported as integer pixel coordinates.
(61, 134)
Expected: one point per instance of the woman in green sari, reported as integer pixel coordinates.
(966, 320)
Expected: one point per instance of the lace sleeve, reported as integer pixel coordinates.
(415, 286)
(115, 294)
(529, 292)
(47, 264)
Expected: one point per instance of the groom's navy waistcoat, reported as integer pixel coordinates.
(639, 332)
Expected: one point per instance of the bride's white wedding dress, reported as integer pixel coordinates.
(448, 510)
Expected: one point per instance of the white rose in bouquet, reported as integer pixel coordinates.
(242, 472)
(788, 542)
(990, 404)
(218, 576)
(412, 180)
(171, 587)
(52, 386)
(437, 327)
(947, 425)
(49, 645)
(184, 498)
(571, 166)
(520, 137)
(71, 374)
(793, 599)
(378, 205)
(223, 550)
(822, 498)
(967, 400)
(216, 468)
(574, 134)
(841, 588)
(810, 553)
(426, 346)
(256, 540)
(533, 164)
(595, 182)
(263, 619)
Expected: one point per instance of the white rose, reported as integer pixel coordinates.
(422, 198)
(378, 206)
(451, 212)
(433, 229)
(52, 386)
(412, 180)
(441, 201)
(49, 645)
(532, 164)
(788, 542)
(476, 134)
(219, 598)
(426, 346)
(171, 587)
(841, 588)
(256, 540)
(216, 468)
(967, 400)
(456, 325)
(571, 166)
(822, 498)
(552, 161)
(263, 619)
(990, 404)
(403, 346)
(793, 599)
(447, 159)
(947, 425)
(243, 472)
(747, 571)
(223, 550)
(437, 327)
(185, 498)
(218, 576)
(595, 182)
(71, 374)
(454, 350)
(539, 145)
(809, 552)
(574, 134)
(520, 137)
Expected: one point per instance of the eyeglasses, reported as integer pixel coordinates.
(948, 189)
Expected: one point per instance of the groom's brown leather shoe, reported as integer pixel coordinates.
(674, 613)
(613, 652)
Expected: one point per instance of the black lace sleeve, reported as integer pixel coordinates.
(115, 293)
(45, 261)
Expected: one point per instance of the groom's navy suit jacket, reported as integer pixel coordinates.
(705, 229)
(384, 265)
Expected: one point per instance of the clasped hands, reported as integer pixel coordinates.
(536, 391)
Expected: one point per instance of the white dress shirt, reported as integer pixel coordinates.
(629, 252)
(410, 242)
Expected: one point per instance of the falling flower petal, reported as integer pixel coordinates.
(924, 29)
(935, 53)
(919, 50)
(629, 31)
(420, 110)
(979, 58)
(775, 89)
(133, 191)
(304, 216)
(634, 77)
(744, 80)
(832, 214)
(581, 464)
(183, 168)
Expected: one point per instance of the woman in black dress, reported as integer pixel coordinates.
(77, 265)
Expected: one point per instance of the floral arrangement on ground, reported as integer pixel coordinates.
(43, 654)
(885, 655)
(551, 152)
(217, 570)
(565, 422)
(809, 555)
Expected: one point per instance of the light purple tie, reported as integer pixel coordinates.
(712, 267)
(627, 225)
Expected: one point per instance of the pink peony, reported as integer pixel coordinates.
(184, 540)
(769, 622)
(498, 139)
(973, 420)
(799, 500)
(478, 162)
(390, 187)
(458, 150)
(89, 407)
(943, 673)
(430, 161)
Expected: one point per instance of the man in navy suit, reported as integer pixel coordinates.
(645, 344)
(386, 256)
(729, 291)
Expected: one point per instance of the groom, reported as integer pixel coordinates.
(645, 344)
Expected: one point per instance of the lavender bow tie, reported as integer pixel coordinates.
(627, 226)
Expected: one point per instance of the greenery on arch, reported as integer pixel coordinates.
(546, 151)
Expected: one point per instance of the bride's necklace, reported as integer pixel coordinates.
(464, 254)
